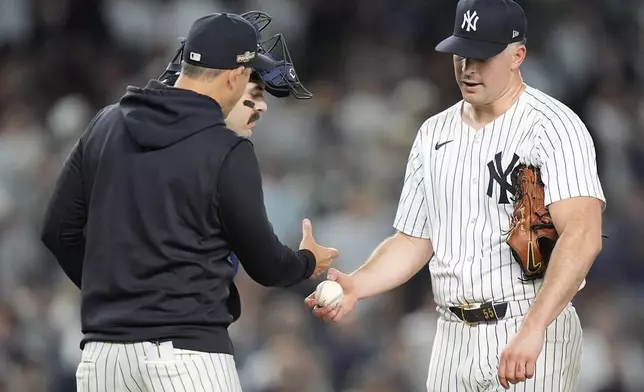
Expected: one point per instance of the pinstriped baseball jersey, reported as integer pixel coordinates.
(457, 191)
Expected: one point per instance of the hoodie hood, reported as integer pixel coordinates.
(159, 116)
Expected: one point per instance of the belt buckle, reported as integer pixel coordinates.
(468, 306)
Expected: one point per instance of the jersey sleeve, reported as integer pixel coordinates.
(568, 159)
(411, 215)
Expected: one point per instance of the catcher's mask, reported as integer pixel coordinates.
(281, 82)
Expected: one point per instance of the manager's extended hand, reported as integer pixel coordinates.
(323, 256)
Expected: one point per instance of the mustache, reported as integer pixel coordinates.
(254, 117)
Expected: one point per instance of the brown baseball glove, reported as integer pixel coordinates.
(532, 236)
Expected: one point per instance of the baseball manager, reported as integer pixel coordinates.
(150, 204)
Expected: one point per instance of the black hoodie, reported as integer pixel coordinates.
(150, 204)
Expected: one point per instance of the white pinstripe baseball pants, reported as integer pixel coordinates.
(146, 367)
(465, 358)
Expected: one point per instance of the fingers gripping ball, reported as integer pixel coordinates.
(328, 293)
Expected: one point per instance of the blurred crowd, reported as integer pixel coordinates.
(338, 159)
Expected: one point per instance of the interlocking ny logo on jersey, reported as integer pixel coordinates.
(499, 175)
(470, 19)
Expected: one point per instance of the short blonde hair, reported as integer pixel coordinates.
(197, 72)
(523, 41)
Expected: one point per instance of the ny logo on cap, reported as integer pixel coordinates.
(470, 19)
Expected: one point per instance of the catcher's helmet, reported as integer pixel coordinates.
(281, 82)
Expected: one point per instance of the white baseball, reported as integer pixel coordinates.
(328, 293)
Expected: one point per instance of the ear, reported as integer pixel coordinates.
(518, 56)
(235, 74)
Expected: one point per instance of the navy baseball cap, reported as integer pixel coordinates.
(224, 41)
(484, 28)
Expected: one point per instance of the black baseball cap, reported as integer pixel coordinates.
(484, 28)
(224, 41)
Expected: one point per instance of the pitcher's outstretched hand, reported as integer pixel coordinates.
(349, 298)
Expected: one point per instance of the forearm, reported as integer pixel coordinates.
(249, 232)
(393, 263)
(569, 264)
(276, 265)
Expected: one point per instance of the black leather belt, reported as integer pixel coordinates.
(480, 314)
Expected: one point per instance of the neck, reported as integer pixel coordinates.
(485, 113)
(202, 88)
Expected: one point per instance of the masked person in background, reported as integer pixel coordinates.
(281, 82)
